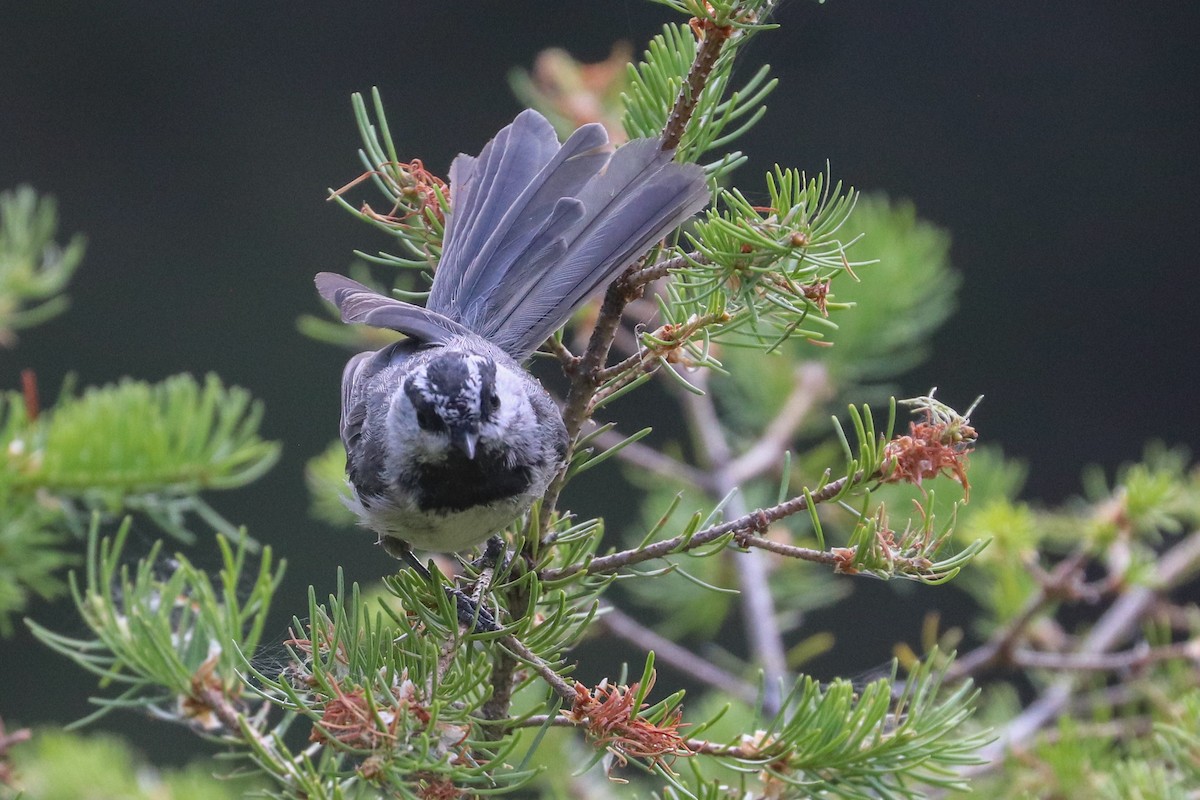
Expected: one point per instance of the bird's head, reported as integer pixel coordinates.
(456, 395)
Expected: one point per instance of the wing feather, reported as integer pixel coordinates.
(364, 305)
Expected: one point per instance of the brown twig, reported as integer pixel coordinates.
(696, 746)
(568, 360)
(714, 38)
(29, 391)
(1113, 627)
(585, 373)
(518, 648)
(757, 520)
(504, 664)
(585, 380)
(238, 724)
(7, 740)
(644, 276)
(672, 337)
(790, 550)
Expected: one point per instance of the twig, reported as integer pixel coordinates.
(584, 383)
(790, 550)
(498, 704)
(758, 606)
(757, 520)
(810, 385)
(560, 686)
(568, 360)
(7, 740)
(504, 664)
(644, 358)
(235, 721)
(620, 624)
(585, 376)
(1122, 618)
(29, 391)
(741, 752)
(696, 746)
(661, 269)
(999, 648)
(1137, 658)
(707, 53)
(652, 460)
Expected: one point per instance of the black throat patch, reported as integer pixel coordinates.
(459, 483)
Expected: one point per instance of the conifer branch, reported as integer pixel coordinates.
(754, 521)
(1122, 618)
(758, 605)
(586, 378)
(713, 38)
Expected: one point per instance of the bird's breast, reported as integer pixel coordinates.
(458, 483)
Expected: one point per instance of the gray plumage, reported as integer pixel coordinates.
(447, 437)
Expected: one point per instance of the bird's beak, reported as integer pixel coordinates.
(465, 437)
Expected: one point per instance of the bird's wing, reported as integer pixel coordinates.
(359, 303)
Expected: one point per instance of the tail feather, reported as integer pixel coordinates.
(535, 228)
(512, 158)
(636, 204)
(504, 198)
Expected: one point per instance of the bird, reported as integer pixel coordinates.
(448, 436)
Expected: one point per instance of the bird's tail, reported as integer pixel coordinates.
(536, 228)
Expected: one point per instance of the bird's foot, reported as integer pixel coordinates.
(471, 613)
(474, 615)
(494, 556)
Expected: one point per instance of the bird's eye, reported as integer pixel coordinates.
(429, 420)
(488, 404)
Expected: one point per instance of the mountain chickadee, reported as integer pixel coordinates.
(448, 438)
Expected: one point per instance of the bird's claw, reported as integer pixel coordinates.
(475, 616)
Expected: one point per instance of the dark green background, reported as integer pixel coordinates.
(193, 144)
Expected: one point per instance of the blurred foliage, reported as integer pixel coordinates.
(325, 475)
(131, 438)
(570, 93)
(129, 446)
(1151, 754)
(905, 292)
(1129, 728)
(34, 547)
(34, 269)
(56, 765)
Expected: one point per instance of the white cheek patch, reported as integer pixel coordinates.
(513, 411)
(409, 444)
